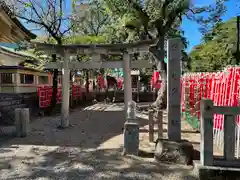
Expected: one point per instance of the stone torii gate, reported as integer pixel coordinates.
(95, 51)
(174, 47)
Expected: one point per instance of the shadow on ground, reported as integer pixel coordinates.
(74, 154)
(165, 130)
(88, 129)
(64, 163)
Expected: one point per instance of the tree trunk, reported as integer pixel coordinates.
(158, 53)
(55, 83)
(54, 87)
(87, 80)
(71, 74)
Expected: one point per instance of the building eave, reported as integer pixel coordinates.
(19, 68)
(16, 53)
(4, 8)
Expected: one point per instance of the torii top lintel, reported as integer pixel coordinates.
(72, 49)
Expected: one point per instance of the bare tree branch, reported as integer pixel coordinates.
(48, 16)
(60, 15)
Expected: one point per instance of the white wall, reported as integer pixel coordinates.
(9, 60)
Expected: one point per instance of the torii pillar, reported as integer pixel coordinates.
(127, 80)
(65, 91)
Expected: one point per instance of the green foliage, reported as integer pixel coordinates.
(87, 39)
(137, 19)
(27, 4)
(144, 79)
(91, 20)
(216, 50)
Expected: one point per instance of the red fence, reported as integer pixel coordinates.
(221, 87)
(45, 94)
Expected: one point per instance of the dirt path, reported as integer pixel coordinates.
(89, 149)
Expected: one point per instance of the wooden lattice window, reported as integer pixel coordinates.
(26, 78)
(6, 78)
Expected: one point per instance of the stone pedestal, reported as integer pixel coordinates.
(22, 122)
(216, 172)
(180, 152)
(131, 138)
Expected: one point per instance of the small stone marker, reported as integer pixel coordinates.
(131, 131)
(17, 122)
(22, 121)
(131, 111)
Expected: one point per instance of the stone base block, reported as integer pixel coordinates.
(64, 121)
(180, 152)
(131, 138)
(214, 172)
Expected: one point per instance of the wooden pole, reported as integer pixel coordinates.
(160, 123)
(151, 125)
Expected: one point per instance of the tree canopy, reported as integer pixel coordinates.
(217, 48)
(148, 19)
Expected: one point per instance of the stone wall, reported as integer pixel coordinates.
(9, 102)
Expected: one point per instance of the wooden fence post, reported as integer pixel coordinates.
(160, 123)
(151, 125)
(206, 147)
(229, 137)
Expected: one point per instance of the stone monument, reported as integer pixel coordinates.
(131, 131)
(174, 149)
(22, 121)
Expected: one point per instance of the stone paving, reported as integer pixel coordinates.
(89, 149)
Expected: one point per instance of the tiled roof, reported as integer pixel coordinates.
(18, 53)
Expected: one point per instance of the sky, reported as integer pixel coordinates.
(191, 29)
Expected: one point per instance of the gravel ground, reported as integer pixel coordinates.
(89, 149)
